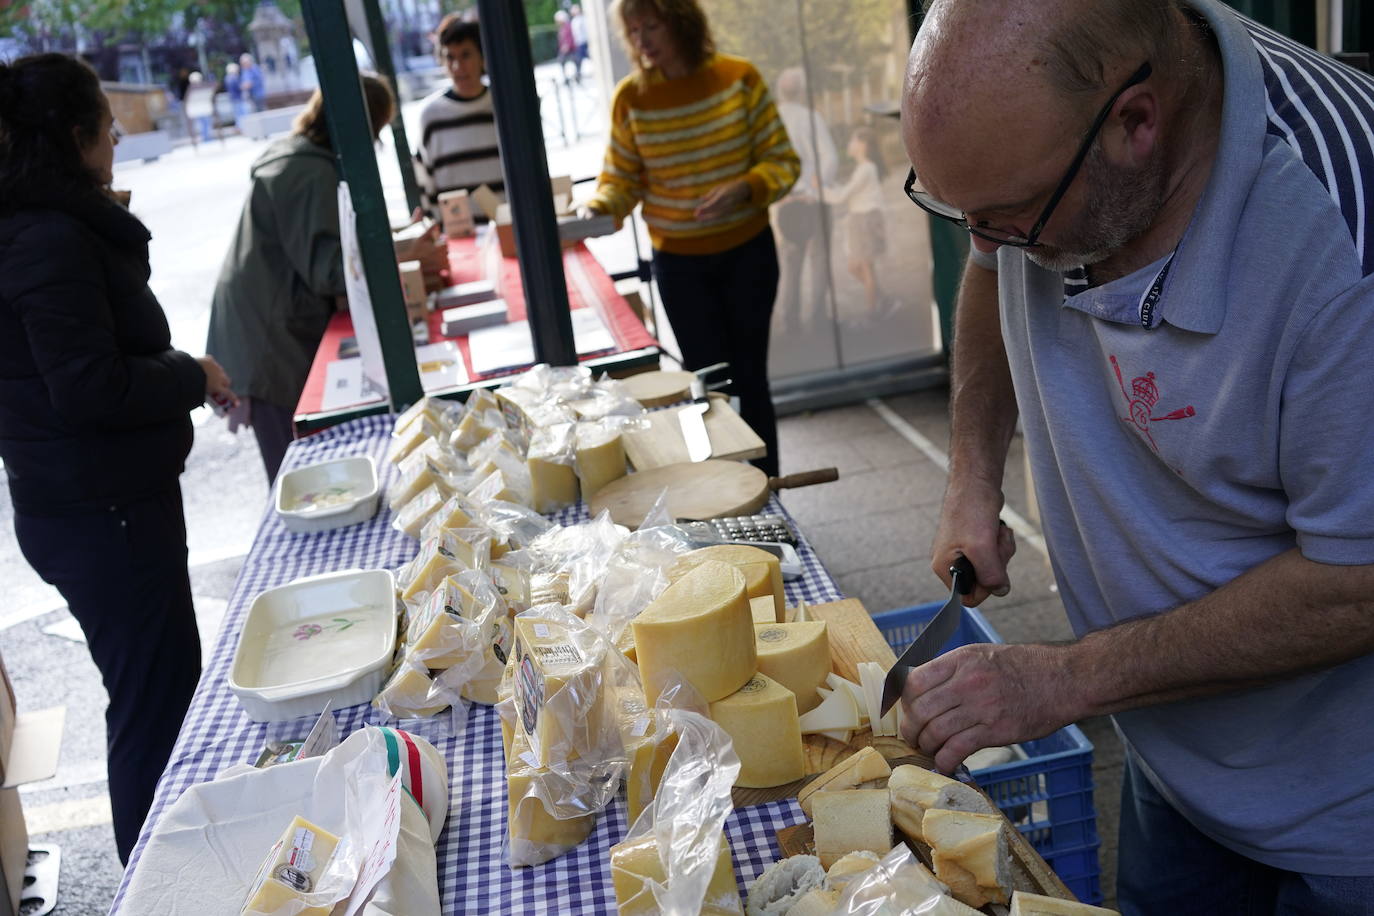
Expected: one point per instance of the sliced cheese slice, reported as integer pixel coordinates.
(797, 656)
(698, 629)
(836, 712)
(860, 702)
(634, 863)
(761, 720)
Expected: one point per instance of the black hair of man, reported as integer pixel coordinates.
(456, 30)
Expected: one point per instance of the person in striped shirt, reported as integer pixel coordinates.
(458, 148)
(696, 139)
(1171, 287)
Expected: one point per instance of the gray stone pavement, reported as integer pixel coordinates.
(872, 528)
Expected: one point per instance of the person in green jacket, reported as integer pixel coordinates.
(283, 275)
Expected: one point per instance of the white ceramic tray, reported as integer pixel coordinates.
(330, 494)
(317, 638)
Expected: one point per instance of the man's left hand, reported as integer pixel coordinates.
(723, 200)
(985, 695)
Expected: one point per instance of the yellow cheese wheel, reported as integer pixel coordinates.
(600, 458)
(553, 486)
(636, 862)
(762, 570)
(797, 656)
(761, 719)
(559, 699)
(699, 628)
(292, 869)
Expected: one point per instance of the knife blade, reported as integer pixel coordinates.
(692, 419)
(936, 633)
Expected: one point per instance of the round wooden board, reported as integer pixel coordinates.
(697, 490)
(660, 387)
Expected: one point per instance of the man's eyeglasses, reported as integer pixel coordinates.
(943, 210)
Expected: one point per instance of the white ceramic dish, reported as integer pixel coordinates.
(330, 494)
(321, 637)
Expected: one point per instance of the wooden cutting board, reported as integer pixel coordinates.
(698, 490)
(659, 387)
(658, 441)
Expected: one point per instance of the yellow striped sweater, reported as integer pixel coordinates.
(672, 141)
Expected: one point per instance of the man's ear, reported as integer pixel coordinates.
(1133, 128)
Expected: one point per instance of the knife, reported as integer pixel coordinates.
(936, 633)
(692, 419)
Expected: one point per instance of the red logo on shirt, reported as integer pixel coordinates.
(1141, 401)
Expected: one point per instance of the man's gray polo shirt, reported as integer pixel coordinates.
(1170, 460)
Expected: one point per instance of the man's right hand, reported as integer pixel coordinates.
(969, 526)
(217, 381)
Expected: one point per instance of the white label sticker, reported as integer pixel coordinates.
(541, 630)
(640, 727)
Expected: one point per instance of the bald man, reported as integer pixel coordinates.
(1172, 218)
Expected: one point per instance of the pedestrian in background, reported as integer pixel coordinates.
(283, 276)
(800, 216)
(567, 45)
(200, 105)
(706, 191)
(862, 197)
(251, 85)
(579, 35)
(231, 88)
(94, 415)
(458, 147)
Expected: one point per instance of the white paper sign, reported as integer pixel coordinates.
(374, 385)
(381, 847)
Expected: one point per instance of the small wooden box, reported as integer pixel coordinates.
(455, 208)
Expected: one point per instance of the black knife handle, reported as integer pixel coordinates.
(962, 574)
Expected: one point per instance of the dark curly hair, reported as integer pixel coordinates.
(42, 98)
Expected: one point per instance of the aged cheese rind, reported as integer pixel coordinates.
(762, 570)
(699, 628)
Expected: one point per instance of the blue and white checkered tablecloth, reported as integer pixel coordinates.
(473, 874)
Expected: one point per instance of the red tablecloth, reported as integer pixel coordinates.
(589, 286)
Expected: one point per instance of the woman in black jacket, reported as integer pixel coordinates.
(94, 425)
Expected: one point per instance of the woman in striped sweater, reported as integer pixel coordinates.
(696, 139)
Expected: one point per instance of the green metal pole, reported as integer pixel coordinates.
(351, 132)
(381, 55)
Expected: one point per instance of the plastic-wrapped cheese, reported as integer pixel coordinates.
(636, 862)
(451, 552)
(797, 656)
(600, 457)
(471, 430)
(414, 435)
(701, 629)
(649, 747)
(553, 485)
(413, 516)
(558, 690)
(406, 693)
(762, 570)
(536, 835)
(291, 870)
(761, 719)
(423, 474)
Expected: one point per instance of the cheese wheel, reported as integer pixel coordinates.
(558, 691)
(600, 458)
(634, 863)
(797, 656)
(536, 836)
(851, 820)
(699, 628)
(553, 486)
(291, 870)
(762, 570)
(761, 719)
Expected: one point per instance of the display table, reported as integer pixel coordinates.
(473, 874)
(589, 286)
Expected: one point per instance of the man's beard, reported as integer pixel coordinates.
(1121, 204)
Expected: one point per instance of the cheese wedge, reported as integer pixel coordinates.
(762, 570)
(850, 820)
(700, 629)
(797, 656)
(600, 458)
(413, 516)
(536, 836)
(558, 691)
(423, 474)
(291, 870)
(1024, 904)
(761, 720)
(636, 862)
(470, 430)
(850, 773)
(762, 609)
(414, 435)
(837, 712)
(513, 584)
(406, 693)
(649, 753)
(971, 854)
(860, 701)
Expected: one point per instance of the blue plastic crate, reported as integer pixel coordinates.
(1049, 795)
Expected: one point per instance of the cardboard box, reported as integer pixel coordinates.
(413, 288)
(30, 742)
(415, 241)
(486, 200)
(455, 209)
(468, 318)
